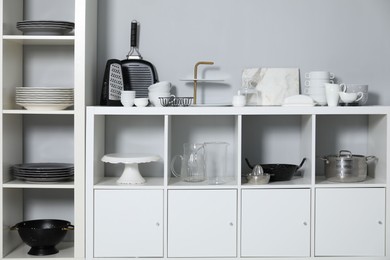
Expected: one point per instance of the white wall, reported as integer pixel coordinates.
(347, 37)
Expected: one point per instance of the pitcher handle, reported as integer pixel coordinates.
(173, 164)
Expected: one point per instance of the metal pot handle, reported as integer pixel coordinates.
(347, 152)
(324, 159)
(371, 158)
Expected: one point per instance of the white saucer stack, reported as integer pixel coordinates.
(315, 85)
(44, 98)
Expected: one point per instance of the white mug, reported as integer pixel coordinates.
(332, 94)
(319, 75)
(350, 97)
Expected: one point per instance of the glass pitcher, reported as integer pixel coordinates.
(192, 163)
(216, 162)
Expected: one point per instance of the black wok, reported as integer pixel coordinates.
(279, 172)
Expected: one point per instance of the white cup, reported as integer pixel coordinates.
(154, 97)
(239, 101)
(332, 94)
(350, 97)
(141, 102)
(356, 88)
(315, 91)
(317, 82)
(127, 98)
(319, 75)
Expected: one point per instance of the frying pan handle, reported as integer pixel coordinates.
(133, 33)
(14, 227)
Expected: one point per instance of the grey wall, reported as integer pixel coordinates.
(347, 37)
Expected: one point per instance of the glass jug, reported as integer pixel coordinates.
(216, 162)
(192, 163)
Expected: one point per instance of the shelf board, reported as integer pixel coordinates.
(40, 39)
(39, 112)
(369, 182)
(66, 250)
(41, 185)
(178, 183)
(294, 183)
(110, 183)
(245, 111)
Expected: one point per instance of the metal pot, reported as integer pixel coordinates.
(346, 167)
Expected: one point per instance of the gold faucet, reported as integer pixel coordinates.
(196, 75)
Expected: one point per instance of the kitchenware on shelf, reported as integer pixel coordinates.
(44, 98)
(174, 101)
(257, 176)
(346, 167)
(216, 162)
(348, 98)
(154, 97)
(138, 74)
(43, 172)
(239, 100)
(319, 75)
(356, 88)
(315, 84)
(45, 27)
(141, 102)
(162, 86)
(130, 174)
(42, 235)
(298, 100)
(249, 91)
(192, 163)
(127, 98)
(280, 172)
(332, 94)
(113, 84)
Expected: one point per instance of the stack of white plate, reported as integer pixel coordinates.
(44, 98)
(45, 27)
(43, 172)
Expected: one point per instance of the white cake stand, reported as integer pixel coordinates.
(131, 174)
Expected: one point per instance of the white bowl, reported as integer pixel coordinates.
(141, 102)
(162, 86)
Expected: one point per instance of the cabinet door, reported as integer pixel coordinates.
(202, 223)
(128, 223)
(350, 222)
(275, 223)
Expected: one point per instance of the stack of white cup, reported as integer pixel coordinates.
(315, 85)
(159, 89)
(127, 98)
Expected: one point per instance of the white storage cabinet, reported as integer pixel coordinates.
(294, 219)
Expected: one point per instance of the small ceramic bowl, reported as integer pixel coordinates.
(141, 102)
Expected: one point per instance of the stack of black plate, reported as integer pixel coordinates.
(45, 27)
(43, 172)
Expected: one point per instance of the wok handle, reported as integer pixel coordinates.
(69, 227)
(301, 164)
(14, 228)
(133, 33)
(249, 165)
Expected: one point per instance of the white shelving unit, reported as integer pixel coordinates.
(237, 220)
(35, 136)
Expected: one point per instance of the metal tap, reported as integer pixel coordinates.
(196, 75)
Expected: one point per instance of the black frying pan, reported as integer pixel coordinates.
(138, 74)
